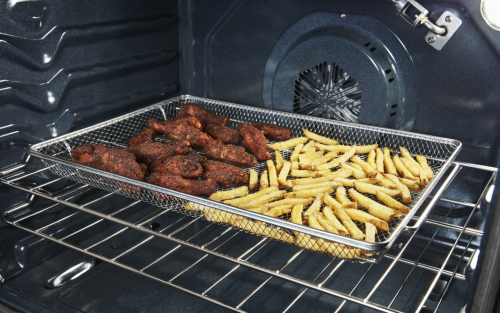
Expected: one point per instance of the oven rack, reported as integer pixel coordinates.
(67, 197)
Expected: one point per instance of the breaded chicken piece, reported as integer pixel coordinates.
(230, 153)
(254, 140)
(186, 166)
(222, 133)
(147, 135)
(152, 152)
(165, 127)
(196, 110)
(273, 131)
(224, 174)
(176, 182)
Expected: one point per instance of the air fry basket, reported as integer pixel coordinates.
(117, 132)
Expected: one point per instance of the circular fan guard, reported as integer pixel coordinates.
(327, 91)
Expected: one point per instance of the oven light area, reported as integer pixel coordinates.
(490, 10)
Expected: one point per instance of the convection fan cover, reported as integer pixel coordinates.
(327, 91)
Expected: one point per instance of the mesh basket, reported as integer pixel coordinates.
(117, 132)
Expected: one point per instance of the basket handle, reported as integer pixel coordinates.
(435, 200)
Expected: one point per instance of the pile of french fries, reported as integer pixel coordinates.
(323, 185)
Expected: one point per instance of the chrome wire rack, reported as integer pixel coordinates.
(342, 280)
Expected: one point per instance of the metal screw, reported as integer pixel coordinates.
(342, 15)
(431, 39)
(448, 19)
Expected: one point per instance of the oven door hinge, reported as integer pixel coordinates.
(439, 32)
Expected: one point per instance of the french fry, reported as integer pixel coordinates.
(308, 181)
(257, 210)
(410, 166)
(331, 183)
(380, 161)
(194, 206)
(306, 173)
(336, 162)
(423, 163)
(309, 147)
(370, 181)
(342, 173)
(344, 149)
(279, 210)
(367, 188)
(364, 217)
(378, 210)
(295, 165)
(306, 158)
(366, 167)
(346, 182)
(325, 158)
(297, 214)
(229, 194)
(253, 180)
(263, 199)
(314, 207)
(356, 173)
(325, 224)
(320, 139)
(405, 193)
(333, 221)
(288, 144)
(382, 212)
(306, 166)
(341, 195)
(308, 193)
(370, 159)
(415, 168)
(279, 161)
(412, 185)
(250, 197)
(292, 201)
(313, 222)
(384, 182)
(273, 178)
(353, 230)
(284, 173)
(328, 200)
(295, 154)
(264, 180)
(389, 165)
(370, 232)
(390, 202)
(403, 171)
(356, 166)
(260, 228)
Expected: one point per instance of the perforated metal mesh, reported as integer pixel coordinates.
(118, 132)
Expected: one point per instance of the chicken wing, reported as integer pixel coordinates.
(89, 154)
(224, 174)
(176, 182)
(147, 135)
(196, 110)
(230, 153)
(186, 166)
(254, 140)
(122, 162)
(222, 133)
(149, 153)
(273, 131)
(165, 127)
(194, 136)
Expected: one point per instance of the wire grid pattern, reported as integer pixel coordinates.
(118, 132)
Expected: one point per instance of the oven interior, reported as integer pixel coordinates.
(68, 66)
